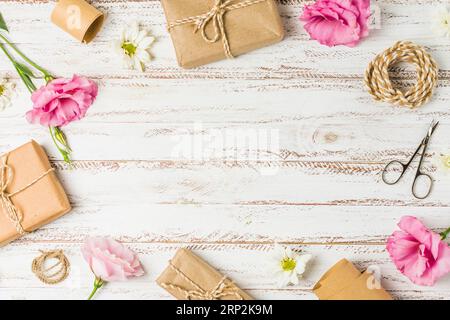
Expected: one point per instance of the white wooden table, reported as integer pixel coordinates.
(316, 187)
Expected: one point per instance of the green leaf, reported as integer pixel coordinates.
(3, 23)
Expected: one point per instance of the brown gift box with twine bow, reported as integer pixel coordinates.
(205, 31)
(30, 193)
(344, 282)
(190, 278)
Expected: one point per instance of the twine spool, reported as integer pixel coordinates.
(380, 86)
(53, 274)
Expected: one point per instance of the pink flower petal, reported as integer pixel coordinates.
(418, 253)
(337, 22)
(110, 260)
(62, 101)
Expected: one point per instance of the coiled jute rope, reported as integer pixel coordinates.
(54, 274)
(380, 86)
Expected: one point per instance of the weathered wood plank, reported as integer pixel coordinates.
(343, 141)
(234, 224)
(248, 183)
(127, 103)
(321, 191)
(283, 61)
(250, 273)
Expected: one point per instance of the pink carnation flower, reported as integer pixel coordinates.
(337, 22)
(110, 261)
(62, 101)
(418, 253)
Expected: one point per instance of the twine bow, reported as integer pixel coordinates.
(12, 212)
(216, 16)
(222, 289)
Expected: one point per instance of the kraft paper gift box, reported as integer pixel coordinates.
(30, 193)
(205, 31)
(345, 282)
(188, 277)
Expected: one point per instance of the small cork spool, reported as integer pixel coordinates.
(78, 18)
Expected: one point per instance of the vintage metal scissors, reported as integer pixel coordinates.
(394, 170)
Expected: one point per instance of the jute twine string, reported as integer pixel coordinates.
(380, 86)
(11, 211)
(222, 289)
(216, 16)
(51, 275)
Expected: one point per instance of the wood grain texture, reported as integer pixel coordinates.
(248, 268)
(279, 145)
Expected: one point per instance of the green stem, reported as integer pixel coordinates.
(24, 57)
(27, 81)
(97, 284)
(445, 234)
(60, 138)
(2, 45)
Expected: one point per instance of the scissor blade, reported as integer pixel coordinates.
(432, 128)
(430, 132)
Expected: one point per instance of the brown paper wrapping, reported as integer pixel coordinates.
(78, 18)
(40, 203)
(247, 29)
(344, 282)
(199, 272)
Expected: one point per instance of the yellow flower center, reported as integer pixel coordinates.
(288, 264)
(446, 161)
(129, 48)
(2, 90)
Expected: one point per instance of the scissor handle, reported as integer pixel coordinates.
(419, 175)
(393, 164)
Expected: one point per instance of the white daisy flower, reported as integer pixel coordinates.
(442, 162)
(441, 22)
(7, 92)
(288, 266)
(132, 47)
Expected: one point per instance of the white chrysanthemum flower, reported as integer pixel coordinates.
(133, 47)
(442, 162)
(287, 265)
(7, 92)
(441, 22)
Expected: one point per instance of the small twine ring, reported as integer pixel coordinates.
(53, 274)
(380, 86)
